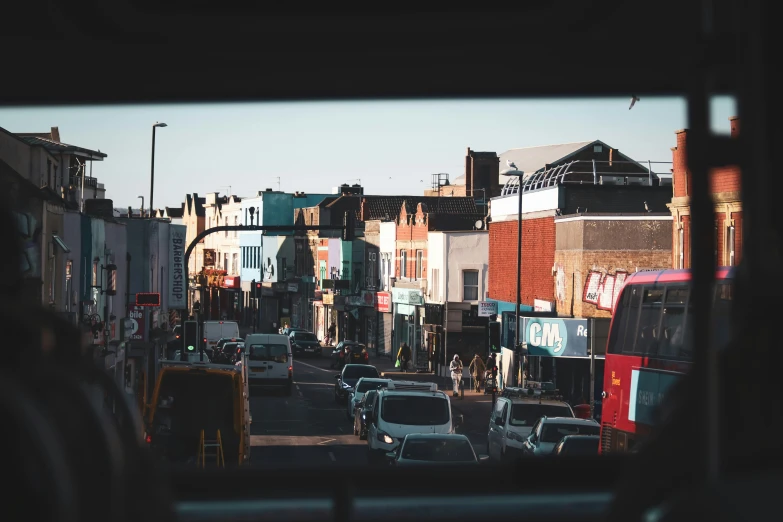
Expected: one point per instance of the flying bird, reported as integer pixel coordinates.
(511, 164)
(634, 99)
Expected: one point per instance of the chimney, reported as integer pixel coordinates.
(680, 177)
(269, 190)
(468, 173)
(734, 126)
(56, 134)
(130, 211)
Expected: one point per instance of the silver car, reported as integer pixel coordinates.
(363, 385)
(434, 449)
(548, 431)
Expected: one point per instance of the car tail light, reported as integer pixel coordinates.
(148, 439)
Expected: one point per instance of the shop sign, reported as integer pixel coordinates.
(407, 296)
(231, 282)
(368, 298)
(548, 337)
(487, 308)
(383, 302)
(328, 299)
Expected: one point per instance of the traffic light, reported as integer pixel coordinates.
(190, 336)
(494, 337)
(253, 289)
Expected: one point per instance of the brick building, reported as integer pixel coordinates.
(576, 210)
(725, 190)
(411, 268)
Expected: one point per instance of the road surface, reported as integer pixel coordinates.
(309, 429)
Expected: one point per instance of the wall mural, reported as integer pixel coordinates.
(602, 288)
(30, 230)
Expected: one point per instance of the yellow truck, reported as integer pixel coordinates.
(200, 414)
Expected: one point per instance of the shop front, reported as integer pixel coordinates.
(232, 298)
(559, 350)
(407, 324)
(324, 315)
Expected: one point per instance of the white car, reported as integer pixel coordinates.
(363, 385)
(548, 431)
(397, 413)
(512, 420)
(270, 363)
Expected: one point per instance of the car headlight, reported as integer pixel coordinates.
(385, 438)
(347, 387)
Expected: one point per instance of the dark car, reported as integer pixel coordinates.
(304, 343)
(363, 412)
(229, 353)
(419, 449)
(576, 445)
(221, 342)
(347, 379)
(349, 352)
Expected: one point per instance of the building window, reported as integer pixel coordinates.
(470, 290)
(225, 262)
(234, 262)
(596, 148)
(236, 223)
(681, 248)
(226, 222)
(403, 263)
(419, 264)
(435, 285)
(730, 245)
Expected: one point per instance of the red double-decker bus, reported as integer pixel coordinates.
(650, 347)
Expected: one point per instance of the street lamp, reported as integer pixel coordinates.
(152, 170)
(512, 171)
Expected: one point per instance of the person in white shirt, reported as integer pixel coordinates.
(456, 373)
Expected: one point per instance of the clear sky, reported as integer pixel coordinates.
(392, 147)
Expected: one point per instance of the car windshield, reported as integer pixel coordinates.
(526, 414)
(305, 337)
(351, 374)
(370, 385)
(438, 450)
(554, 431)
(269, 352)
(411, 410)
(580, 446)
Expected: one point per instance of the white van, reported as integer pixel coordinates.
(217, 330)
(270, 362)
(397, 413)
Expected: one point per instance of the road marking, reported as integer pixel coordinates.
(331, 456)
(283, 439)
(326, 441)
(315, 367)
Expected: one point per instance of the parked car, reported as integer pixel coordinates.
(349, 352)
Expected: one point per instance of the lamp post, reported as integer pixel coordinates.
(512, 171)
(152, 169)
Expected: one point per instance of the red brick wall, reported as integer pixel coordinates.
(411, 228)
(737, 217)
(538, 258)
(721, 240)
(725, 179)
(679, 166)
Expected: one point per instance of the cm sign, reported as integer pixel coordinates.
(548, 337)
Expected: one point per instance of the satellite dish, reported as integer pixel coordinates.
(479, 224)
